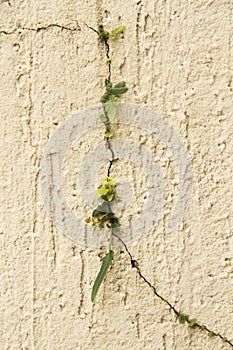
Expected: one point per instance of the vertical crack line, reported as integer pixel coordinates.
(33, 290)
(109, 146)
(81, 284)
(137, 39)
(91, 323)
(107, 51)
(164, 342)
(229, 50)
(108, 59)
(137, 325)
(33, 252)
(187, 118)
(52, 231)
(53, 244)
(30, 106)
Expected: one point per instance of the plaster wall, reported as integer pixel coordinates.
(177, 59)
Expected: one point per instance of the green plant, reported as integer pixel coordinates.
(103, 215)
(105, 35)
(110, 102)
(107, 261)
(183, 317)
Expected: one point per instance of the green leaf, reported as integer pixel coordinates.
(116, 31)
(110, 196)
(102, 208)
(103, 34)
(115, 224)
(113, 98)
(101, 223)
(107, 190)
(105, 97)
(109, 181)
(183, 317)
(192, 323)
(109, 134)
(106, 263)
(103, 118)
(108, 85)
(119, 91)
(110, 108)
(211, 333)
(120, 84)
(101, 191)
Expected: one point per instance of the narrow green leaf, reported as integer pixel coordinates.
(119, 91)
(120, 84)
(106, 263)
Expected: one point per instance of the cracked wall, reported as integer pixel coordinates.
(176, 58)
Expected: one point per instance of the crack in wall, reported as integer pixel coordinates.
(111, 161)
(134, 262)
(30, 106)
(109, 64)
(43, 28)
(107, 52)
(35, 215)
(164, 342)
(81, 283)
(202, 327)
(137, 325)
(36, 188)
(52, 225)
(139, 4)
(53, 244)
(187, 117)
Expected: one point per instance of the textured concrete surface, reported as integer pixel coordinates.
(177, 58)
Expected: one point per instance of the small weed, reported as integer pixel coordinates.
(103, 215)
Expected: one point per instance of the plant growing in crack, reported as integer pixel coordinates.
(103, 215)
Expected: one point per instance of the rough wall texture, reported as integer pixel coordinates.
(177, 58)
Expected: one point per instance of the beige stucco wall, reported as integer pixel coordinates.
(177, 58)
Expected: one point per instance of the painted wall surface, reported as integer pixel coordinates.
(177, 59)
